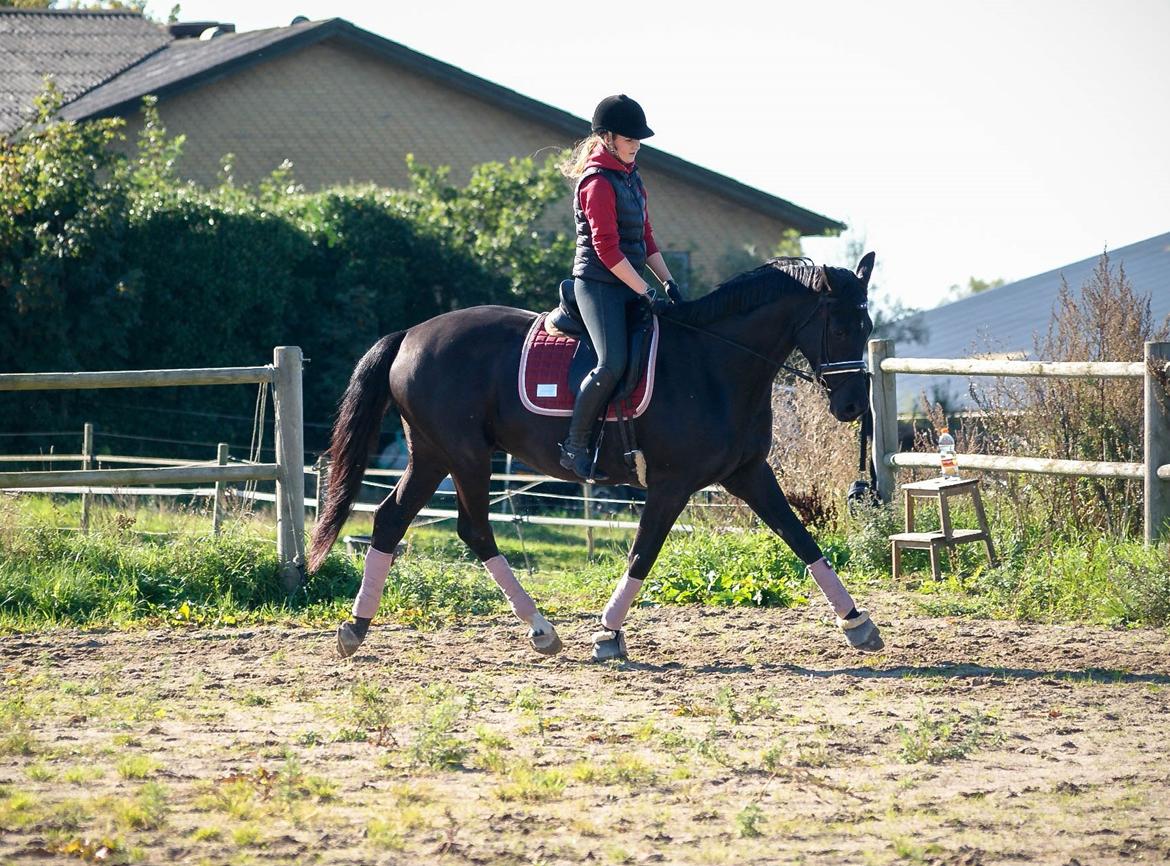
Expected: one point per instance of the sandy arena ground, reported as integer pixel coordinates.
(733, 736)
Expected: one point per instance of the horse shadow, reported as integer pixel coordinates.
(956, 670)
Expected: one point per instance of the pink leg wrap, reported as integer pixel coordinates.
(373, 582)
(836, 593)
(522, 604)
(619, 603)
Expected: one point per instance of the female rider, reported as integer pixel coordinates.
(615, 243)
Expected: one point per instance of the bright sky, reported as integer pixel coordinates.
(990, 139)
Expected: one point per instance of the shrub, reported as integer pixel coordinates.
(814, 455)
(112, 261)
(1077, 419)
(750, 568)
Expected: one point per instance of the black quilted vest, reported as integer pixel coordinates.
(631, 218)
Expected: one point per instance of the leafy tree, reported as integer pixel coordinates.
(110, 260)
(494, 219)
(63, 211)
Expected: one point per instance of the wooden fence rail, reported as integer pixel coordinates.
(138, 378)
(1154, 470)
(284, 376)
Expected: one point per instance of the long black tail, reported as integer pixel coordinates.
(355, 433)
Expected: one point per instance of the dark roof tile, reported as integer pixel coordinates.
(78, 49)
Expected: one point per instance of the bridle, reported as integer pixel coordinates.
(822, 369)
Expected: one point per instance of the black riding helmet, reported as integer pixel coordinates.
(622, 115)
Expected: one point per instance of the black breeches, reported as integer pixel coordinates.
(603, 309)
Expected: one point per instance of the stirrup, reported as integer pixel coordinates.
(581, 463)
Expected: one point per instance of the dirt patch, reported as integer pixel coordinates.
(733, 737)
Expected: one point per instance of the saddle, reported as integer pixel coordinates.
(557, 355)
(566, 321)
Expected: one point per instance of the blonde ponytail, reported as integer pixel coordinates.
(573, 166)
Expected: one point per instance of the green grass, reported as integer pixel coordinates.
(137, 767)
(1093, 580)
(125, 574)
(935, 738)
(1045, 573)
(725, 568)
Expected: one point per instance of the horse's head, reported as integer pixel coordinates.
(833, 339)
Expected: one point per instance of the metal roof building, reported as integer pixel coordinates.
(1005, 321)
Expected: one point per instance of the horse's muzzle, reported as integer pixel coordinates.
(849, 398)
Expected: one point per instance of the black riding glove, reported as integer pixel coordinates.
(657, 303)
(672, 291)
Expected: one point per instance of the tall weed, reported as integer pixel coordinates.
(1078, 419)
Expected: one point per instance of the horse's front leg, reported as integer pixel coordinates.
(757, 486)
(663, 506)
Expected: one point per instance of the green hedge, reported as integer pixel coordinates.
(109, 261)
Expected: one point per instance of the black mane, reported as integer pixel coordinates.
(749, 290)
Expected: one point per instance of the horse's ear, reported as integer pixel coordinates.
(865, 268)
(821, 283)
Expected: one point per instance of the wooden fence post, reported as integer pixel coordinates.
(221, 457)
(290, 460)
(86, 463)
(1157, 439)
(884, 403)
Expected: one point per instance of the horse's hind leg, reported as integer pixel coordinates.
(473, 489)
(391, 520)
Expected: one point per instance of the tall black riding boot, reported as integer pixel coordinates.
(591, 402)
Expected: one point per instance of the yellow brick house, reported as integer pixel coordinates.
(345, 105)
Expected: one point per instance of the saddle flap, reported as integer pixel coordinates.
(553, 365)
(641, 331)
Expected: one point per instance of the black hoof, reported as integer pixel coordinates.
(609, 645)
(543, 638)
(348, 640)
(862, 633)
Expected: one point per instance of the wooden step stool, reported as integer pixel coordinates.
(940, 489)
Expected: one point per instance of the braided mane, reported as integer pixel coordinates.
(749, 290)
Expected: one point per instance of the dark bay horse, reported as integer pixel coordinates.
(453, 379)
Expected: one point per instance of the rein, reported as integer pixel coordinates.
(821, 370)
(741, 347)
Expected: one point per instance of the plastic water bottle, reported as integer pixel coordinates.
(949, 467)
